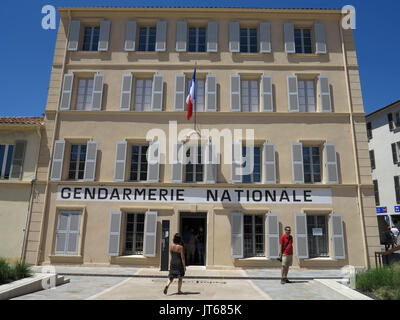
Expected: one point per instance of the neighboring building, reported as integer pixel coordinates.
(291, 75)
(19, 151)
(383, 127)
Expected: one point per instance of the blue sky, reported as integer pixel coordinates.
(27, 50)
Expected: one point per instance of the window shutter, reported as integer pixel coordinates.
(211, 163)
(235, 92)
(265, 37)
(273, 235)
(120, 161)
(161, 36)
(177, 157)
(212, 36)
(68, 82)
(390, 121)
(157, 98)
(153, 164)
(325, 94)
(18, 160)
(394, 153)
(372, 158)
(179, 92)
(73, 37)
(73, 233)
(61, 233)
(301, 236)
(236, 163)
(331, 163)
(237, 235)
(130, 35)
(97, 96)
(293, 94)
(337, 236)
(297, 162)
(234, 36)
(115, 233)
(104, 36)
(267, 98)
(211, 92)
(58, 159)
(288, 28)
(320, 41)
(126, 92)
(150, 234)
(269, 163)
(181, 35)
(90, 162)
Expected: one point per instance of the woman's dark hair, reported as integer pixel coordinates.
(177, 239)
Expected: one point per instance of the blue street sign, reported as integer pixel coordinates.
(396, 208)
(381, 209)
(387, 219)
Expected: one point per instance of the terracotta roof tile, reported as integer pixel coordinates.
(22, 120)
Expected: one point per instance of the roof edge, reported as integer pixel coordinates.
(383, 108)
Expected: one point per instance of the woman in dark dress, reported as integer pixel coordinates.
(177, 267)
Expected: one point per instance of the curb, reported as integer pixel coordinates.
(343, 290)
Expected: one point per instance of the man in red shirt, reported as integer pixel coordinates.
(286, 254)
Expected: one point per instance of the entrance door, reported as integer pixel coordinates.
(193, 230)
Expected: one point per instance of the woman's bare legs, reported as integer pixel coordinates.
(167, 286)
(180, 284)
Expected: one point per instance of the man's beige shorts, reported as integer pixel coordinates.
(287, 260)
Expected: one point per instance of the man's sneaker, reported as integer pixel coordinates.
(283, 281)
(287, 280)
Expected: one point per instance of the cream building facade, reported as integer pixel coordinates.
(289, 75)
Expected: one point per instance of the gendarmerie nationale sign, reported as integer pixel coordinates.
(195, 195)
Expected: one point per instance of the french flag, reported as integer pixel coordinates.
(191, 96)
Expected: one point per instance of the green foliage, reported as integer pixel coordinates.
(12, 272)
(22, 270)
(5, 271)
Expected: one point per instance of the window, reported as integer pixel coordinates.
(302, 39)
(147, 39)
(67, 234)
(390, 121)
(369, 130)
(372, 157)
(253, 235)
(255, 176)
(85, 92)
(194, 171)
(138, 163)
(397, 119)
(312, 164)
(134, 233)
(317, 234)
(143, 94)
(395, 152)
(249, 95)
(197, 39)
(91, 39)
(6, 157)
(77, 162)
(199, 93)
(306, 95)
(376, 191)
(248, 40)
(396, 189)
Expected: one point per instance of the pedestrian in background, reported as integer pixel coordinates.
(177, 267)
(395, 232)
(286, 254)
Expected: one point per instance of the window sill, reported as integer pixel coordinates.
(319, 259)
(133, 256)
(254, 259)
(311, 55)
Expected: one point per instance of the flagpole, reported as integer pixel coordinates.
(195, 99)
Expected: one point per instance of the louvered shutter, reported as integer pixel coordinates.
(61, 233)
(177, 158)
(130, 36)
(320, 41)
(301, 236)
(157, 93)
(390, 121)
(153, 168)
(211, 92)
(234, 36)
(267, 97)
(179, 104)
(114, 234)
(150, 234)
(97, 96)
(73, 233)
(293, 94)
(211, 163)
(394, 153)
(120, 161)
(18, 160)
(126, 92)
(58, 159)
(73, 37)
(265, 37)
(338, 248)
(288, 28)
(104, 36)
(90, 162)
(273, 235)
(181, 36)
(236, 172)
(235, 92)
(325, 94)
(297, 162)
(269, 163)
(161, 36)
(331, 163)
(212, 36)
(237, 235)
(68, 82)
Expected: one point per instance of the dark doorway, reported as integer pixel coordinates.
(193, 230)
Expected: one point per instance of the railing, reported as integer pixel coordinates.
(378, 255)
